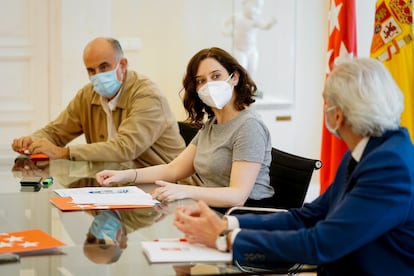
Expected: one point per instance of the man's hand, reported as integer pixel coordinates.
(21, 144)
(199, 223)
(45, 146)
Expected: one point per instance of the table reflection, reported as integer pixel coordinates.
(107, 236)
(64, 172)
(24, 166)
(104, 242)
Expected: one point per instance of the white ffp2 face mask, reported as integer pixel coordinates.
(216, 93)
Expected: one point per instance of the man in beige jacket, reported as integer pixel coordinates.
(122, 114)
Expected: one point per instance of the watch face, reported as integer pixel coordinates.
(221, 241)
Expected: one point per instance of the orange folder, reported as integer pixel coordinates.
(38, 157)
(66, 204)
(33, 240)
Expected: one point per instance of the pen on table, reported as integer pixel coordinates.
(171, 240)
(109, 191)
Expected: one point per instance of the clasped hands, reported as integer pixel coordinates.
(25, 145)
(199, 223)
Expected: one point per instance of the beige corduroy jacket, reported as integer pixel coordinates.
(147, 131)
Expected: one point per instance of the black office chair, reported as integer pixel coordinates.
(187, 131)
(290, 176)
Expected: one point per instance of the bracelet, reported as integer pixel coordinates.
(136, 174)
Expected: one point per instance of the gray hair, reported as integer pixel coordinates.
(367, 94)
(117, 47)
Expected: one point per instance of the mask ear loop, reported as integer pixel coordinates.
(229, 78)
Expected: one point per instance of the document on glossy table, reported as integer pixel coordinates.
(88, 198)
(181, 251)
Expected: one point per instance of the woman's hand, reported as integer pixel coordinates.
(109, 177)
(170, 191)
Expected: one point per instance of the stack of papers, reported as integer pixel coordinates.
(89, 198)
(182, 251)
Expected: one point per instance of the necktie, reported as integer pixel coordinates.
(350, 167)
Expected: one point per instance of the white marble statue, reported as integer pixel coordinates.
(244, 26)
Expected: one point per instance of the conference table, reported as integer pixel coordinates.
(22, 209)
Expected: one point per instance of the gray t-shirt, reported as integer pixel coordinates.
(246, 138)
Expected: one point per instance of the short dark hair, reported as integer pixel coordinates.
(245, 89)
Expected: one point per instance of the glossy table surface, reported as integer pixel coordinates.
(22, 210)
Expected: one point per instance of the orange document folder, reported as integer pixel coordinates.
(28, 241)
(38, 157)
(66, 204)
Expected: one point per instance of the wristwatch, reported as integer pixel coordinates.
(222, 241)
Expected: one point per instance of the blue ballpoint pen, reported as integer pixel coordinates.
(109, 191)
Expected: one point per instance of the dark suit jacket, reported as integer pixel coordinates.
(363, 226)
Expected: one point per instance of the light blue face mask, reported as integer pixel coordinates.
(106, 84)
(333, 131)
(105, 226)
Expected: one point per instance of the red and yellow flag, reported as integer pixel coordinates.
(393, 45)
(342, 43)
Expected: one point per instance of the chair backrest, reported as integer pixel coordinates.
(187, 131)
(290, 176)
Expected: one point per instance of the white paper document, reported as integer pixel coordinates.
(127, 195)
(178, 251)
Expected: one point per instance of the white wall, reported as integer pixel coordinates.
(171, 32)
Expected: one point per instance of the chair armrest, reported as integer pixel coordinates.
(246, 209)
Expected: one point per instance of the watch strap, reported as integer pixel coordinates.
(224, 235)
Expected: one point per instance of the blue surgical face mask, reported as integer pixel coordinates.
(105, 226)
(106, 84)
(333, 131)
